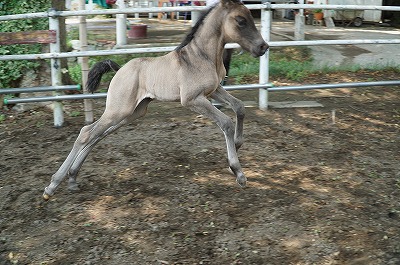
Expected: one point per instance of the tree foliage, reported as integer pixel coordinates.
(13, 70)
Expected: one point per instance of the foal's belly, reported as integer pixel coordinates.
(164, 90)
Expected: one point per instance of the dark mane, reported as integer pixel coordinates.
(191, 34)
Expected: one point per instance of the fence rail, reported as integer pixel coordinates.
(38, 89)
(266, 18)
(171, 48)
(266, 6)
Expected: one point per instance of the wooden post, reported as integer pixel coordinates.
(88, 104)
(299, 22)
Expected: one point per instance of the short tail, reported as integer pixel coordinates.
(97, 72)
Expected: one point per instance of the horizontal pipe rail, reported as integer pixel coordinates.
(338, 85)
(116, 11)
(238, 87)
(54, 98)
(53, 13)
(25, 16)
(248, 87)
(84, 53)
(171, 48)
(331, 42)
(38, 89)
(335, 7)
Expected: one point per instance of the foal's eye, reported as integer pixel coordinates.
(241, 21)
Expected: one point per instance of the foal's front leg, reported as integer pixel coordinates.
(238, 107)
(203, 106)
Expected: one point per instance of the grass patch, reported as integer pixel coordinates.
(292, 63)
(356, 68)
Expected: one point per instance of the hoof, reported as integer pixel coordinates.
(241, 180)
(46, 197)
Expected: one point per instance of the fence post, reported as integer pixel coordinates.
(299, 22)
(121, 24)
(266, 18)
(150, 4)
(54, 24)
(88, 106)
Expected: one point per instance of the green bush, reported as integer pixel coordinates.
(13, 70)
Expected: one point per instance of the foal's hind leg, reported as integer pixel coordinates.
(222, 95)
(89, 136)
(140, 111)
(82, 155)
(203, 106)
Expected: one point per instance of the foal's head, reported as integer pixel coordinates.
(239, 27)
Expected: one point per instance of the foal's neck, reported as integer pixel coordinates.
(210, 38)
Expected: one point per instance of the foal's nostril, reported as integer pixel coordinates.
(260, 48)
(264, 47)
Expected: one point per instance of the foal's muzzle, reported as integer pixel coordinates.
(260, 49)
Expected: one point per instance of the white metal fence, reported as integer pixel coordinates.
(266, 19)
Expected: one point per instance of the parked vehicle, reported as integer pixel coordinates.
(356, 17)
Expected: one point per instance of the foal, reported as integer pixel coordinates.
(189, 74)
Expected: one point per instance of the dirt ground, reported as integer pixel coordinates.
(320, 190)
